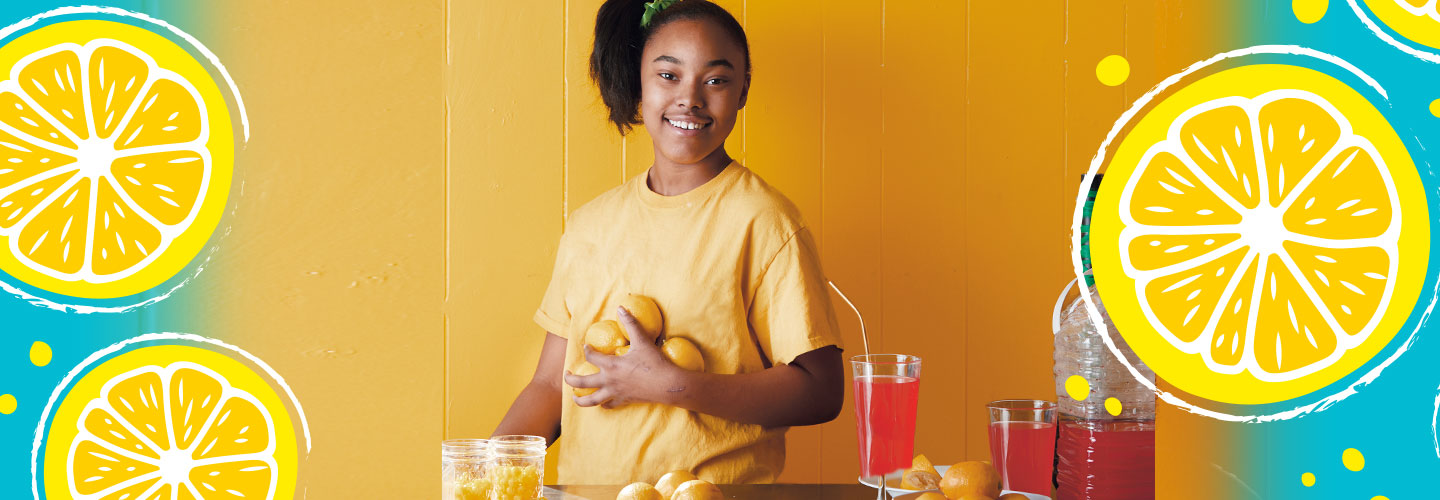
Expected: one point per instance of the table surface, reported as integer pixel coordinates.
(745, 491)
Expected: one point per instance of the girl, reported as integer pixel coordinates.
(727, 258)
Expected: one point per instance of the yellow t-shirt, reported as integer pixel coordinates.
(734, 270)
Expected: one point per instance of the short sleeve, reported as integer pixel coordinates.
(791, 312)
(554, 313)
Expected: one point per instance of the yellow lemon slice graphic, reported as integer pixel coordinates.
(171, 422)
(1262, 233)
(1416, 20)
(116, 154)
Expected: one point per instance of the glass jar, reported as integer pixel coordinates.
(517, 467)
(464, 469)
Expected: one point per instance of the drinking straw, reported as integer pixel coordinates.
(865, 340)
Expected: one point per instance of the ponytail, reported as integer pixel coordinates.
(620, 43)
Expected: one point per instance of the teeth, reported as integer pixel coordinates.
(685, 125)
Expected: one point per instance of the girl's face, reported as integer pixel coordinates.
(693, 84)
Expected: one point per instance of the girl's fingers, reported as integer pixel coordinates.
(594, 399)
(594, 357)
(582, 381)
(632, 328)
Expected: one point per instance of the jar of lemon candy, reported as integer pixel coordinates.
(517, 468)
(464, 469)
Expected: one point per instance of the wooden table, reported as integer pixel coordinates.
(743, 491)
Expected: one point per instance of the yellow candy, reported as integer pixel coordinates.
(514, 482)
(478, 489)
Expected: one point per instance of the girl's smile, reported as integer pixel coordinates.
(688, 125)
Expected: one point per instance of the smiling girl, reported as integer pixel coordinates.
(725, 255)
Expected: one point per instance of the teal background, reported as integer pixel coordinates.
(72, 337)
(1390, 420)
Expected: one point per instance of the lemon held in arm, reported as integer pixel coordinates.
(646, 312)
(606, 336)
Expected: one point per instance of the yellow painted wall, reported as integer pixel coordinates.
(413, 163)
(335, 261)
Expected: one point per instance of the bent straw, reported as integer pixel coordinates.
(865, 340)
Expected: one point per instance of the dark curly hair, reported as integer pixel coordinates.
(620, 41)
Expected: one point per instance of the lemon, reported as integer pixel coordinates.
(606, 336)
(930, 495)
(622, 350)
(971, 478)
(922, 463)
(697, 489)
(170, 422)
(116, 160)
(1266, 234)
(1417, 20)
(683, 353)
(672, 480)
(917, 479)
(639, 491)
(921, 475)
(585, 369)
(646, 313)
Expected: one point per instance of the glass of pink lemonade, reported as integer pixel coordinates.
(1022, 443)
(887, 391)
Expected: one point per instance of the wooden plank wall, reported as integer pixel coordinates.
(935, 147)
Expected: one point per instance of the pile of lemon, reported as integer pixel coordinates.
(608, 337)
(974, 480)
(676, 485)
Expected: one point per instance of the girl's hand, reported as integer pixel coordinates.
(642, 375)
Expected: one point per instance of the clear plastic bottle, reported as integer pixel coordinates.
(1105, 446)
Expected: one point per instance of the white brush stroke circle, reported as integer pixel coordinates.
(112, 348)
(1098, 160)
(1379, 32)
(214, 61)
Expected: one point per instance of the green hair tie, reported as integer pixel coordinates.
(653, 8)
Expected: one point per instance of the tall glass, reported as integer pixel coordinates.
(887, 392)
(1022, 443)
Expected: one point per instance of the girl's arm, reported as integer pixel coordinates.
(808, 391)
(536, 411)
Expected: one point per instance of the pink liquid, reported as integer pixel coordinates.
(885, 422)
(1024, 454)
(1109, 459)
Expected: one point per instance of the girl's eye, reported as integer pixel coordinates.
(715, 81)
(667, 76)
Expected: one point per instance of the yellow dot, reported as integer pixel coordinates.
(1113, 406)
(1435, 108)
(1309, 11)
(1112, 70)
(1077, 387)
(1352, 459)
(40, 353)
(1379, 497)
(7, 404)
(1307, 479)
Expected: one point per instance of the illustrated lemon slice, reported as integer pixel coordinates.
(1416, 20)
(115, 158)
(1264, 239)
(170, 428)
